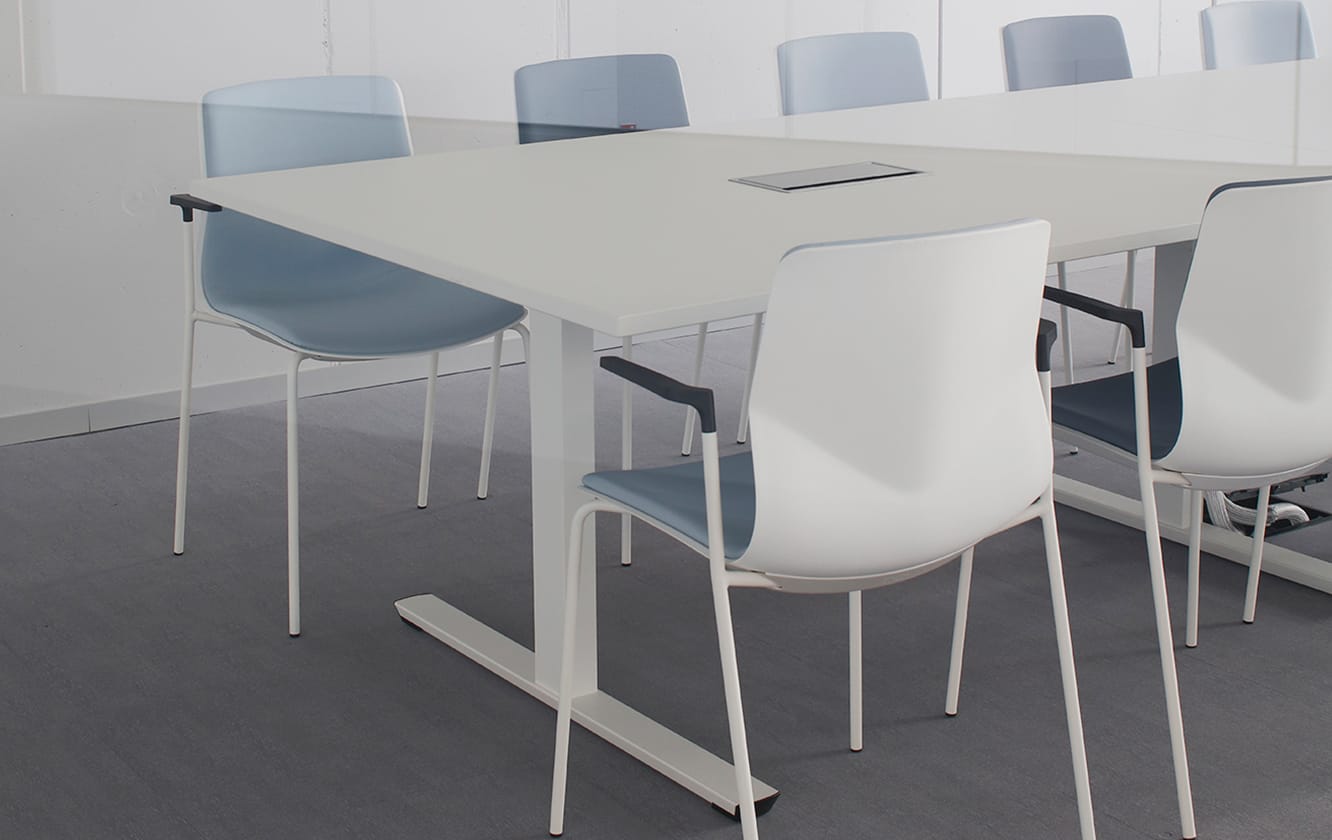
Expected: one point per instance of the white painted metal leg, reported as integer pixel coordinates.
(1122, 338)
(1064, 636)
(293, 503)
(687, 446)
(959, 631)
(743, 434)
(1065, 335)
(1256, 558)
(560, 369)
(1195, 566)
(626, 450)
(857, 673)
(564, 710)
(721, 600)
(1156, 567)
(183, 440)
(428, 432)
(488, 432)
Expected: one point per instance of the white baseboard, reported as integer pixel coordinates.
(223, 396)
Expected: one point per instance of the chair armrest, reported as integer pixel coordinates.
(1046, 333)
(188, 204)
(700, 399)
(1131, 318)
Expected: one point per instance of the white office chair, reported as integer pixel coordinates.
(611, 94)
(1241, 33)
(310, 297)
(852, 481)
(1220, 416)
(1070, 50)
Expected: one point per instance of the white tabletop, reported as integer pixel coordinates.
(1273, 113)
(628, 234)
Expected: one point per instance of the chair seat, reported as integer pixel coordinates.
(1103, 409)
(325, 299)
(674, 496)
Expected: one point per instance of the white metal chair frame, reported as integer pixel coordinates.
(197, 312)
(769, 573)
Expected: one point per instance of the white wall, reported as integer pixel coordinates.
(90, 300)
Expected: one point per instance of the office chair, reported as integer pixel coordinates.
(849, 488)
(1241, 33)
(1220, 418)
(611, 94)
(312, 298)
(1070, 50)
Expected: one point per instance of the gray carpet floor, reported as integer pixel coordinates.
(148, 696)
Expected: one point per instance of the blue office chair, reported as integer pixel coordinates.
(312, 298)
(1221, 418)
(1237, 34)
(1070, 50)
(850, 488)
(611, 94)
(850, 70)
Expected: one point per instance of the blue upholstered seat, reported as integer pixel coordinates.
(674, 496)
(326, 299)
(1103, 408)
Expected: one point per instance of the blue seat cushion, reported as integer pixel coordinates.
(1103, 408)
(325, 299)
(674, 496)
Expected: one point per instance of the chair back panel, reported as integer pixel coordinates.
(291, 123)
(1066, 50)
(583, 97)
(287, 124)
(1237, 34)
(1255, 351)
(896, 413)
(851, 70)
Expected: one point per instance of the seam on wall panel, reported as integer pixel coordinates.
(562, 29)
(327, 41)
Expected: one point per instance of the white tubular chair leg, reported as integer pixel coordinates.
(742, 434)
(564, 710)
(1156, 566)
(1064, 636)
(183, 440)
(627, 451)
(427, 433)
(1195, 563)
(857, 692)
(1065, 336)
(293, 504)
(687, 446)
(1122, 338)
(488, 432)
(1256, 555)
(959, 631)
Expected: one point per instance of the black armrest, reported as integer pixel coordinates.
(1045, 339)
(188, 204)
(700, 399)
(1131, 318)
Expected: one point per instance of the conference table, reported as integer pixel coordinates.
(632, 233)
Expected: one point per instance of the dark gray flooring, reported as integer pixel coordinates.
(148, 696)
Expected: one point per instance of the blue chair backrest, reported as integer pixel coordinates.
(851, 70)
(1068, 50)
(288, 124)
(583, 97)
(1237, 34)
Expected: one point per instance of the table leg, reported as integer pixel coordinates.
(561, 369)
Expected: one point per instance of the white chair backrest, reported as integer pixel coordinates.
(1236, 34)
(896, 414)
(1255, 348)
